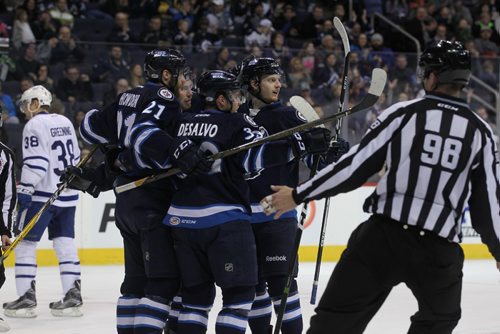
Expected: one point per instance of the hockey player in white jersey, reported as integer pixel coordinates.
(49, 146)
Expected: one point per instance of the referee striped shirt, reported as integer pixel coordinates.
(8, 196)
(438, 157)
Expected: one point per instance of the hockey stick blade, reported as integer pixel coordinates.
(305, 108)
(376, 87)
(343, 34)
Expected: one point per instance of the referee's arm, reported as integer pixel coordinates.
(8, 196)
(484, 201)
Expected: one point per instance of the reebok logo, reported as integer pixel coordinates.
(276, 258)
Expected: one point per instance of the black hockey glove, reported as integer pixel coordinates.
(313, 141)
(188, 157)
(337, 149)
(85, 179)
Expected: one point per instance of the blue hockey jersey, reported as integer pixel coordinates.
(222, 195)
(274, 117)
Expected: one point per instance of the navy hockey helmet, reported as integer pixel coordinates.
(253, 68)
(214, 83)
(450, 61)
(157, 61)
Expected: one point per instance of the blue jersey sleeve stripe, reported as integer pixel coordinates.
(36, 157)
(35, 167)
(142, 137)
(87, 133)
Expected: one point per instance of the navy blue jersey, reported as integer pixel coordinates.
(152, 108)
(222, 195)
(274, 117)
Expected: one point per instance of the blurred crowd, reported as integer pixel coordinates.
(87, 52)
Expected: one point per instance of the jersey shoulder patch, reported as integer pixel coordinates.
(249, 119)
(166, 94)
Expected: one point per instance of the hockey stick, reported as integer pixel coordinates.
(379, 78)
(301, 104)
(347, 52)
(44, 208)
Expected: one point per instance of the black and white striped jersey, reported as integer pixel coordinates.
(8, 196)
(438, 158)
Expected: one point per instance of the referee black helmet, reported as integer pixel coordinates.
(450, 61)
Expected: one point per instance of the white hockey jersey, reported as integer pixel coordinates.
(49, 146)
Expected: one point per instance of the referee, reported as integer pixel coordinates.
(439, 156)
(8, 200)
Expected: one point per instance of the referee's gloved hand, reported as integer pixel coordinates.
(188, 157)
(313, 141)
(81, 178)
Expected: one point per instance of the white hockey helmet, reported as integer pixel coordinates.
(39, 93)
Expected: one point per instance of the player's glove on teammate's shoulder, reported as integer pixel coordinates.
(313, 141)
(188, 157)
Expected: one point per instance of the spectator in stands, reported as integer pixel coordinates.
(401, 76)
(31, 9)
(256, 51)
(421, 26)
(43, 78)
(185, 12)
(121, 33)
(110, 96)
(77, 8)
(219, 18)
(261, 36)
(154, 36)
(483, 113)
(380, 54)
(44, 50)
(21, 31)
(308, 57)
(441, 33)
(463, 31)
(24, 84)
(297, 74)
(74, 86)
(397, 10)
(67, 50)
(287, 23)
(327, 46)
(113, 67)
(203, 37)
(444, 17)
(4, 30)
(28, 65)
(221, 59)
(44, 28)
(257, 14)
(325, 29)
(459, 12)
(136, 77)
(183, 37)
(305, 92)
(361, 46)
(278, 50)
(312, 23)
(61, 14)
(484, 44)
(326, 72)
(9, 115)
(484, 22)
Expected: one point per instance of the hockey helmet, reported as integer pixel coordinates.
(450, 61)
(214, 83)
(253, 68)
(39, 93)
(157, 61)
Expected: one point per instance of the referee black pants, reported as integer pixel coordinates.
(380, 254)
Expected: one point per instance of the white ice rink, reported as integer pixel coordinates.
(100, 284)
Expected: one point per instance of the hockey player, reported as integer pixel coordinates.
(151, 277)
(274, 238)
(9, 200)
(49, 146)
(209, 214)
(438, 156)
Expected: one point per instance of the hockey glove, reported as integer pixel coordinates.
(84, 179)
(187, 156)
(337, 149)
(24, 193)
(313, 141)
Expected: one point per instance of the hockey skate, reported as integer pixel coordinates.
(24, 306)
(4, 326)
(70, 305)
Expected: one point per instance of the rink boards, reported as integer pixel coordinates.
(99, 241)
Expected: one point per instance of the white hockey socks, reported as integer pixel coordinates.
(69, 264)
